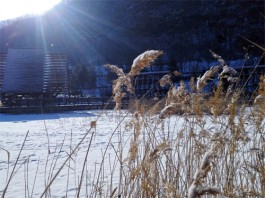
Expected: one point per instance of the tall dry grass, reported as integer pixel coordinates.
(198, 144)
(189, 144)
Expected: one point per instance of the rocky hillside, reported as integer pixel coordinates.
(95, 32)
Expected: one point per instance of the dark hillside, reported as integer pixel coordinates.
(96, 32)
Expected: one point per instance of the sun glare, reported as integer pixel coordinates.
(10, 9)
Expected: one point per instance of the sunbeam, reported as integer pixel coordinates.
(16, 8)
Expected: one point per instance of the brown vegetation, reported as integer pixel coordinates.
(196, 145)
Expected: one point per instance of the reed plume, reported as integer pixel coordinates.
(202, 81)
(125, 81)
(143, 60)
(197, 189)
(219, 58)
(166, 79)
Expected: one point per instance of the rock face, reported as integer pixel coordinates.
(98, 32)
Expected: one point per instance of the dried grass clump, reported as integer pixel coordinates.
(261, 91)
(125, 81)
(228, 75)
(216, 104)
(259, 102)
(168, 111)
(181, 96)
(116, 70)
(176, 101)
(144, 60)
(137, 123)
(161, 148)
(227, 72)
(197, 189)
(219, 58)
(208, 75)
(166, 80)
(194, 102)
(118, 84)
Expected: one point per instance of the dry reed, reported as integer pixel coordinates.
(125, 81)
(198, 145)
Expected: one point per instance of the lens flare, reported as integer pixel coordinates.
(10, 9)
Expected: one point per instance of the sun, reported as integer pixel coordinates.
(10, 9)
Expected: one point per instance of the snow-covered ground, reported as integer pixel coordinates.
(59, 133)
(52, 137)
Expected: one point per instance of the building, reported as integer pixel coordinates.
(33, 73)
(3, 58)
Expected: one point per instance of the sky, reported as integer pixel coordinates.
(10, 9)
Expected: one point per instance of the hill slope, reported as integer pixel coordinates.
(98, 32)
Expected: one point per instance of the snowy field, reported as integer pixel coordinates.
(57, 146)
(57, 133)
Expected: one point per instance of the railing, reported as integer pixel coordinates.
(249, 74)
